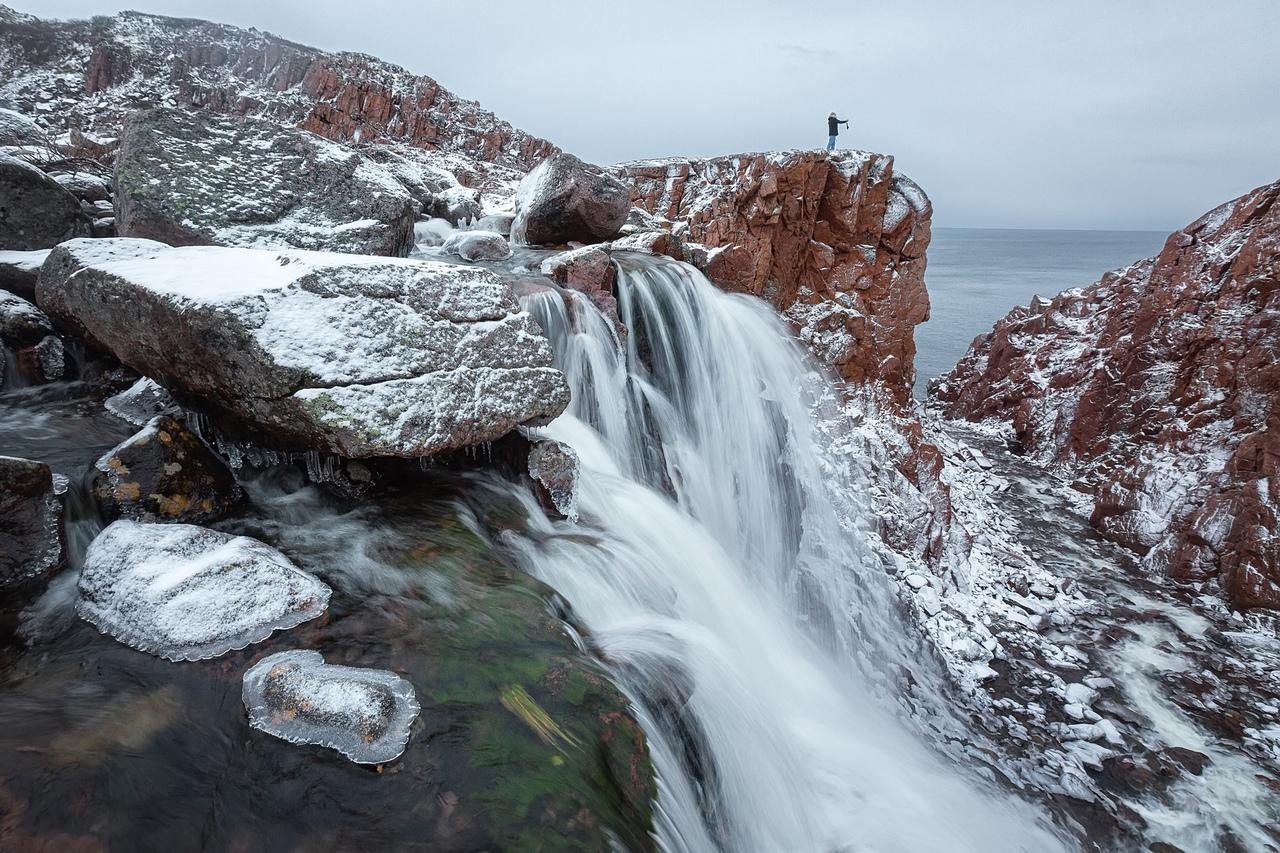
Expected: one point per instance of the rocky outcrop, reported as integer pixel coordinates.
(1158, 388)
(183, 592)
(32, 539)
(360, 357)
(89, 75)
(836, 242)
(164, 473)
(36, 212)
(565, 200)
(188, 178)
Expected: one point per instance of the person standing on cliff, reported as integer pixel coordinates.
(833, 130)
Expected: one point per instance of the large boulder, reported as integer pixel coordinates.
(36, 212)
(19, 271)
(69, 258)
(32, 538)
(566, 200)
(183, 592)
(164, 473)
(195, 178)
(18, 130)
(362, 357)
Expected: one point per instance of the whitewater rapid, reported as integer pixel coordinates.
(721, 569)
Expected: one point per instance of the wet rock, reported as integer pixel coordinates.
(360, 357)
(26, 330)
(37, 212)
(140, 402)
(189, 178)
(365, 714)
(32, 538)
(1190, 760)
(554, 467)
(183, 592)
(19, 271)
(164, 473)
(68, 258)
(564, 200)
(477, 246)
(1144, 384)
(589, 269)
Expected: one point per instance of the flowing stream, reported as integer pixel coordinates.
(720, 567)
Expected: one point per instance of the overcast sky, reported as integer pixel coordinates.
(1072, 114)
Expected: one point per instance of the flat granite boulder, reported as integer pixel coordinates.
(183, 592)
(357, 356)
(363, 713)
(36, 212)
(67, 259)
(196, 178)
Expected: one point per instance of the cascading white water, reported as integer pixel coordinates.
(717, 568)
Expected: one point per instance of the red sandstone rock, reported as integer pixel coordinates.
(834, 241)
(1159, 386)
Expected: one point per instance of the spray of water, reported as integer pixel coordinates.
(718, 570)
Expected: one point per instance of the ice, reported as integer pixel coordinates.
(363, 713)
(183, 592)
(141, 402)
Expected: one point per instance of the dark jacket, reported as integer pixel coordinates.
(833, 125)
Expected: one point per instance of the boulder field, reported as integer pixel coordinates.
(1156, 388)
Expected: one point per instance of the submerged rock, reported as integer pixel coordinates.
(183, 592)
(365, 714)
(554, 466)
(361, 357)
(477, 246)
(164, 473)
(31, 523)
(564, 199)
(195, 178)
(38, 212)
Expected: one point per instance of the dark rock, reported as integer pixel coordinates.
(32, 536)
(26, 330)
(16, 129)
(554, 467)
(141, 402)
(477, 246)
(566, 200)
(164, 473)
(35, 211)
(190, 178)
(359, 357)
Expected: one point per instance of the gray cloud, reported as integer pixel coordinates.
(1082, 115)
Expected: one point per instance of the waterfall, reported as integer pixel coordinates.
(722, 570)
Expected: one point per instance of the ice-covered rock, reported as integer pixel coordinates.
(554, 466)
(365, 714)
(357, 356)
(19, 271)
(164, 473)
(196, 178)
(477, 246)
(140, 402)
(70, 257)
(564, 199)
(32, 540)
(38, 212)
(183, 592)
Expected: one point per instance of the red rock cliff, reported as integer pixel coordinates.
(1159, 387)
(834, 241)
(90, 74)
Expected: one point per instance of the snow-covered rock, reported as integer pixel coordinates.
(31, 531)
(357, 356)
(365, 714)
(17, 129)
(564, 199)
(70, 257)
(189, 178)
(38, 212)
(477, 246)
(183, 592)
(19, 270)
(164, 472)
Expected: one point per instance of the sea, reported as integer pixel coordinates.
(976, 275)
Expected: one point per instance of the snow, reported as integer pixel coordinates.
(27, 262)
(183, 592)
(365, 714)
